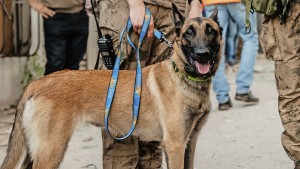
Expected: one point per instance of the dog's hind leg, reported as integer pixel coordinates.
(51, 151)
(52, 144)
(16, 146)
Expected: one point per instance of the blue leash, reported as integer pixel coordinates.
(138, 78)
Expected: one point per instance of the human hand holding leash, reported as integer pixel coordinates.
(41, 8)
(137, 13)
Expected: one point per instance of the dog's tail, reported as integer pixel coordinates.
(16, 146)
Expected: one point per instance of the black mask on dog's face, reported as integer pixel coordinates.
(200, 42)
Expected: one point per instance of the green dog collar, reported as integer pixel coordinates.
(189, 77)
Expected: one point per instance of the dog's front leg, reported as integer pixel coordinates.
(190, 151)
(189, 155)
(174, 151)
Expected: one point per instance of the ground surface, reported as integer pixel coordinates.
(245, 137)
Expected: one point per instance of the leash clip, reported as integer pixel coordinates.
(167, 41)
(161, 37)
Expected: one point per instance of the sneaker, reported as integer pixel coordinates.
(248, 97)
(226, 105)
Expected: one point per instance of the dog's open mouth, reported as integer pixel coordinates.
(199, 65)
(202, 68)
(202, 64)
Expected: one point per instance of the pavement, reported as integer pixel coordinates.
(244, 137)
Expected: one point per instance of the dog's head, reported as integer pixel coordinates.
(199, 43)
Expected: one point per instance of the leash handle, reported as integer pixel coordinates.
(138, 78)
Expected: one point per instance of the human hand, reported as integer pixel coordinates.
(41, 8)
(137, 11)
(195, 10)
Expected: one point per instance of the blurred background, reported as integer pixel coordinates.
(22, 53)
(245, 137)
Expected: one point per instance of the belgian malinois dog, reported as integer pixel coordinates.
(174, 102)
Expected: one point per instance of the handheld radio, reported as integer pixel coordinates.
(106, 49)
(105, 45)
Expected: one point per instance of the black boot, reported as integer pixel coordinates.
(225, 106)
(247, 97)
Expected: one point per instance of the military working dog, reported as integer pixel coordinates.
(174, 102)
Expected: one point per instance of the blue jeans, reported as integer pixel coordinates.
(244, 77)
(65, 40)
(231, 42)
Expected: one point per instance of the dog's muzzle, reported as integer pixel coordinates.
(202, 62)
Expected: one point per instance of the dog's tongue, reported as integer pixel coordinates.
(202, 68)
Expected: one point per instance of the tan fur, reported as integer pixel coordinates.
(172, 110)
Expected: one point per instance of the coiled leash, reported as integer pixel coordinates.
(138, 78)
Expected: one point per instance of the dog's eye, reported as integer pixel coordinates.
(210, 30)
(190, 31)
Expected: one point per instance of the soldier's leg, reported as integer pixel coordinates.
(150, 154)
(153, 51)
(117, 154)
(287, 73)
(288, 81)
(281, 42)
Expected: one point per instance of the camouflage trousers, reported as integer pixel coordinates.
(132, 153)
(113, 17)
(281, 43)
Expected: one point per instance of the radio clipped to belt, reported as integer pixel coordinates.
(107, 51)
(105, 43)
(105, 46)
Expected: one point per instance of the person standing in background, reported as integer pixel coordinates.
(235, 10)
(66, 32)
(281, 44)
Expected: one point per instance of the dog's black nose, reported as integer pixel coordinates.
(204, 55)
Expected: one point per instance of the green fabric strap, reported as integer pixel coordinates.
(189, 77)
(248, 9)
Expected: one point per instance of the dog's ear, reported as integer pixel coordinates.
(214, 15)
(178, 18)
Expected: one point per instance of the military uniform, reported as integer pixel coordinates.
(281, 43)
(132, 153)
